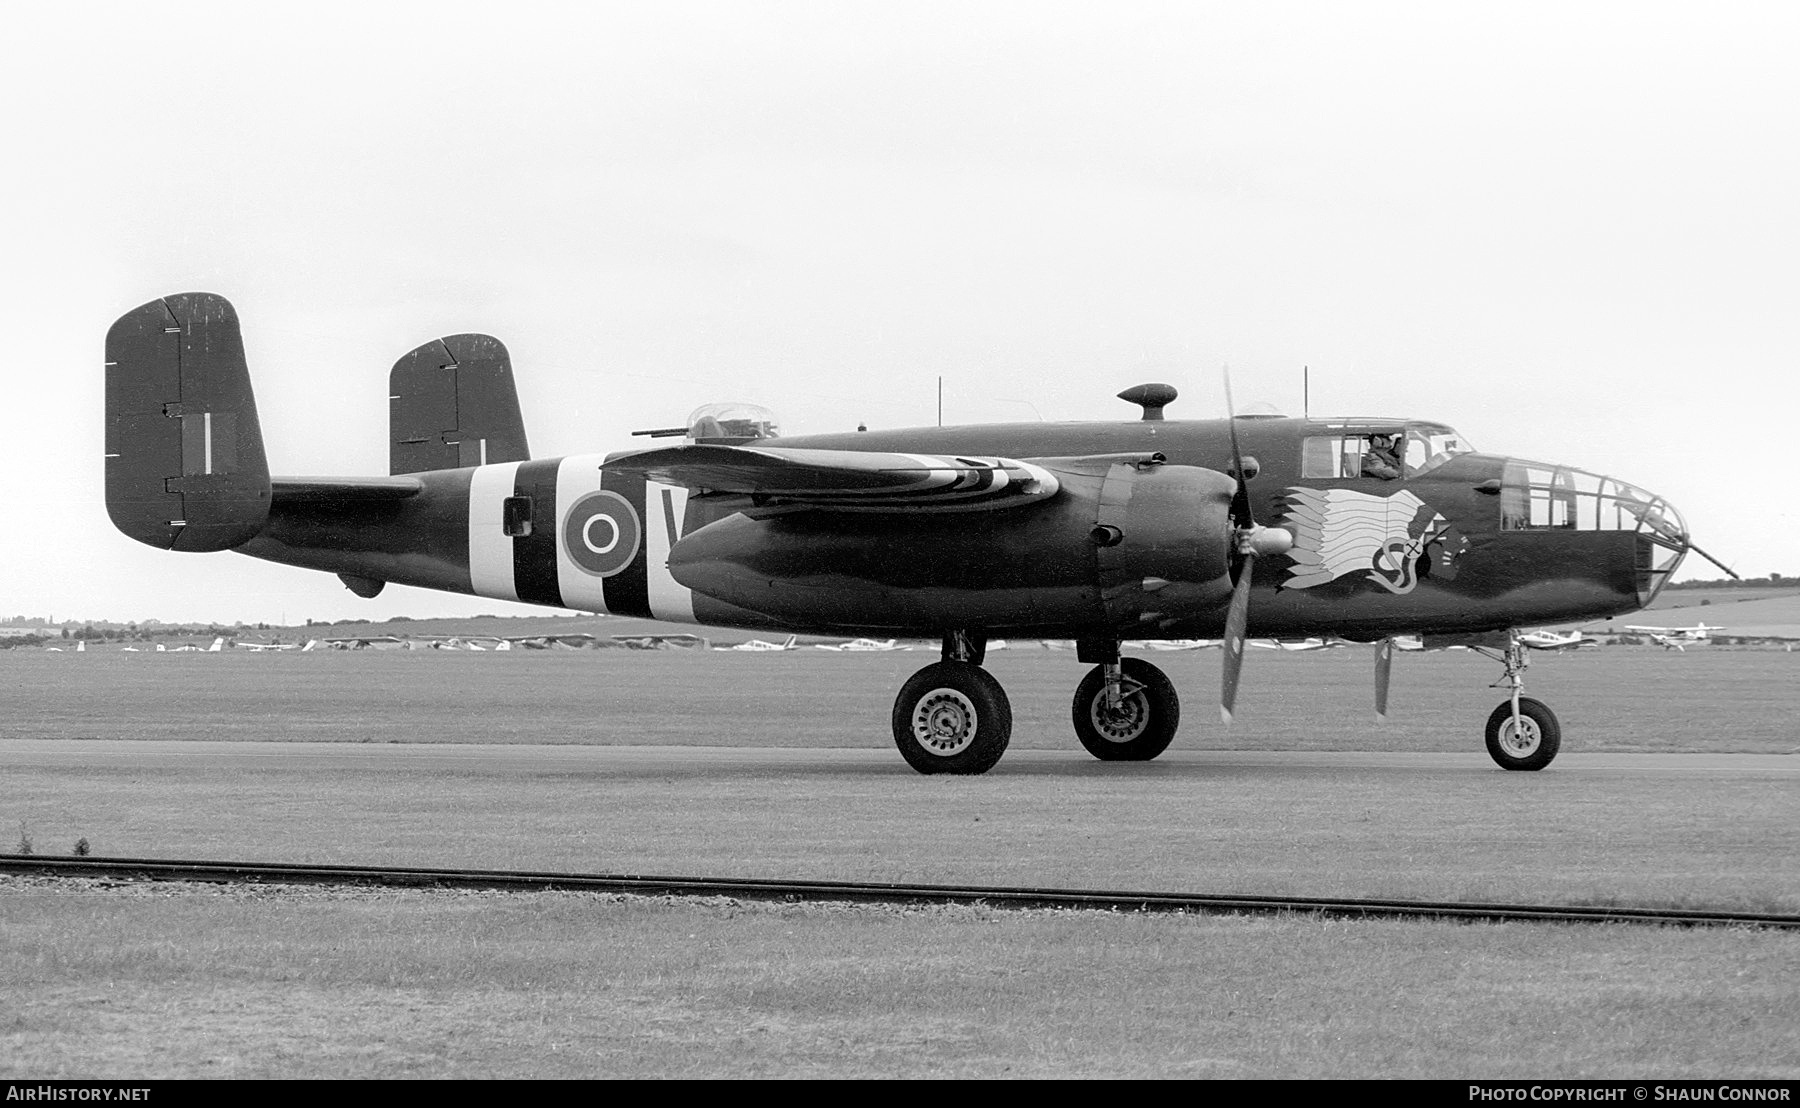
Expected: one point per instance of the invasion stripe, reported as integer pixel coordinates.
(627, 592)
(667, 598)
(490, 549)
(534, 555)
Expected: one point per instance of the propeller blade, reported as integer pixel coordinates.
(1240, 501)
(1237, 618)
(1384, 665)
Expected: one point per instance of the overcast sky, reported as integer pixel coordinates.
(1568, 230)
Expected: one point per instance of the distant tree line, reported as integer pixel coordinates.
(130, 632)
(1772, 581)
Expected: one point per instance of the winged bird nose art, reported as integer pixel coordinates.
(1339, 532)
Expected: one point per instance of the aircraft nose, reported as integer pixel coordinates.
(1666, 535)
(1535, 495)
(1662, 535)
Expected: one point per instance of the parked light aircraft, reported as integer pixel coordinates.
(1550, 640)
(574, 640)
(1699, 632)
(760, 646)
(661, 642)
(1358, 528)
(217, 646)
(862, 646)
(366, 642)
(1675, 638)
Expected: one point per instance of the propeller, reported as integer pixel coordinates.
(1249, 540)
(1384, 665)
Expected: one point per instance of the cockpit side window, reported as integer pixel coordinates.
(1429, 445)
(1319, 456)
(1376, 454)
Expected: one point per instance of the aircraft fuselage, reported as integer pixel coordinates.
(1450, 549)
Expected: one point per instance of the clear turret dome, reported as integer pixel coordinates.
(731, 423)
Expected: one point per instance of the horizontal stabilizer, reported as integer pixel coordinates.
(842, 480)
(453, 404)
(294, 490)
(185, 468)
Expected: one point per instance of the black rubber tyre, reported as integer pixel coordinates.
(1145, 722)
(952, 717)
(1533, 745)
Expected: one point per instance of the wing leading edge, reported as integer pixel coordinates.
(843, 480)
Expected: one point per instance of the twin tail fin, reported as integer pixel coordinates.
(452, 404)
(185, 468)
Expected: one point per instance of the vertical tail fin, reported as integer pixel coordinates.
(452, 404)
(185, 468)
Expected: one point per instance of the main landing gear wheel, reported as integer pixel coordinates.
(1531, 743)
(952, 717)
(1136, 729)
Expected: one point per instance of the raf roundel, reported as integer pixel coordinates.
(602, 533)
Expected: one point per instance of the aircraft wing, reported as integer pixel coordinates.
(845, 480)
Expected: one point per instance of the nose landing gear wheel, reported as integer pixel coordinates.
(952, 717)
(1140, 726)
(1530, 744)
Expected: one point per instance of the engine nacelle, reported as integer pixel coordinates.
(1126, 547)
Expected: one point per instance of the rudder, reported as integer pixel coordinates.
(185, 468)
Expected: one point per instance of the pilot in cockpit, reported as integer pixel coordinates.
(1382, 458)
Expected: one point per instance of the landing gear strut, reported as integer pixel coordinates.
(1522, 733)
(952, 716)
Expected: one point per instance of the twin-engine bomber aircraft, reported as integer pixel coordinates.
(1148, 529)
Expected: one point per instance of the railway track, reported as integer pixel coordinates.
(856, 892)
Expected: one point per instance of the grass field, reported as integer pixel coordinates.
(189, 982)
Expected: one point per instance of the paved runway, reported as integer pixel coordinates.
(513, 758)
(1699, 829)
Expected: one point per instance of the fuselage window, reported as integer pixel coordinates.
(1535, 498)
(515, 516)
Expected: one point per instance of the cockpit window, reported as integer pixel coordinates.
(1430, 445)
(1375, 454)
(1384, 455)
